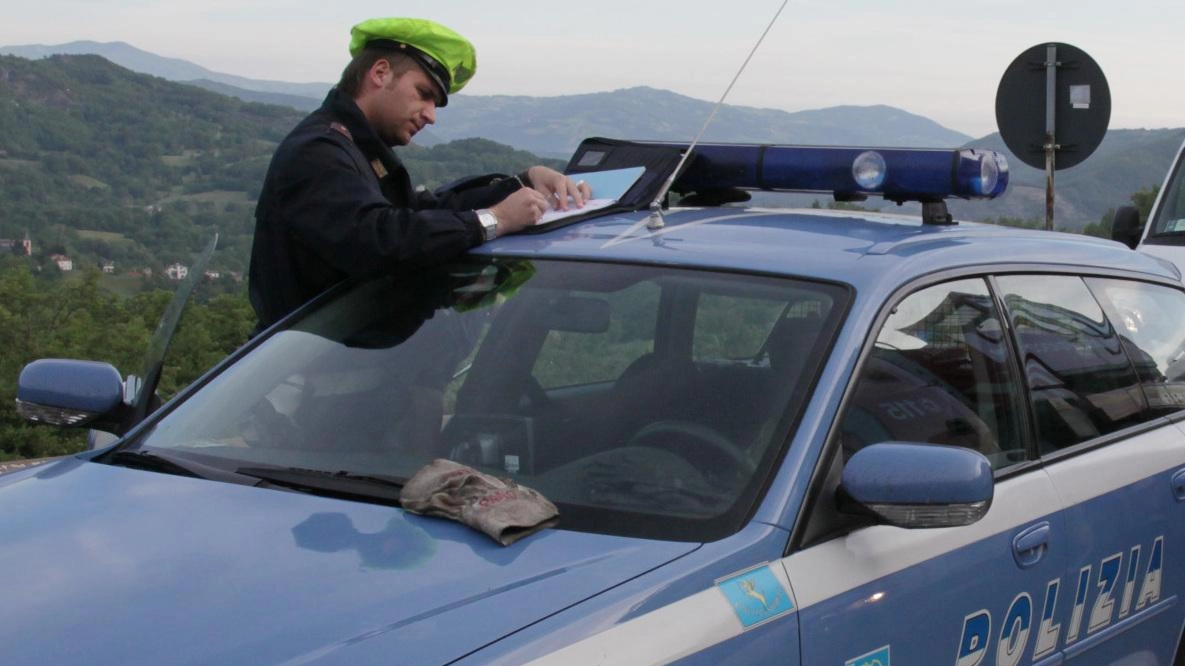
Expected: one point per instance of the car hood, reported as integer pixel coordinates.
(109, 565)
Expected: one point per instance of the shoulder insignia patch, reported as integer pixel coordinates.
(341, 129)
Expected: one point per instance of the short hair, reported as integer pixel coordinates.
(355, 72)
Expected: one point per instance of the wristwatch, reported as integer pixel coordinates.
(489, 224)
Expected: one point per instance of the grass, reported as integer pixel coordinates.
(217, 196)
(182, 160)
(88, 182)
(105, 236)
(124, 285)
(13, 163)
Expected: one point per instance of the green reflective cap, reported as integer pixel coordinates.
(446, 56)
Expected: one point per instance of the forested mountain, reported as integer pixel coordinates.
(174, 69)
(553, 126)
(104, 164)
(152, 166)
(1128, 160)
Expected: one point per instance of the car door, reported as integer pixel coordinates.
(1104, 370)
(940, 372)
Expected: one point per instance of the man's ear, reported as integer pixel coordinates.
(380, 73)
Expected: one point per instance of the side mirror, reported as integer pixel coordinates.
(1126, 227)
(65, 392)
(917, 485)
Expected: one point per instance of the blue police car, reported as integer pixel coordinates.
(774, 436)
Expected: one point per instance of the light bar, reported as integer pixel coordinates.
(897, 174)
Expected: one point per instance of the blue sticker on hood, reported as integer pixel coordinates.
(878, 657)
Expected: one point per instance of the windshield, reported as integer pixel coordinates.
(643, 401)
(1170, 214)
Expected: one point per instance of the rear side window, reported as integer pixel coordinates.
(732, 328)
(1081, 383)
(1150, 319)
(574, 357)
(939, 373)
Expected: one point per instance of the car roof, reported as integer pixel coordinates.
(859, 248)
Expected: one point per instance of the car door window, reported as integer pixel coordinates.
(574, 358)
(1150, 319)
(1081, 382)
(729, 328)
(939, 373)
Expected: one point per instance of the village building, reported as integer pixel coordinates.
(65, 264)
(176, 271)
(22, 247)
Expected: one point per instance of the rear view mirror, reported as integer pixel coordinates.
(1126, 227)
(577, 314)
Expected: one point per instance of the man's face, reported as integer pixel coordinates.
(403, 106)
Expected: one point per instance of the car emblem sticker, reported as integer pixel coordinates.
(878, 657)
(756, 596)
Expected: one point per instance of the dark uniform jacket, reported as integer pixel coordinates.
(337, 203)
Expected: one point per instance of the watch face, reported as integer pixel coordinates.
(489, 224)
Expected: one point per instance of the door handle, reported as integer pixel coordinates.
(1179, 485)
(1030, 545)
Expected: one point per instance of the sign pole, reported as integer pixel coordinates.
(1077, 110)
(1050, 130)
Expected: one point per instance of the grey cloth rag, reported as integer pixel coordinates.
(497, 507)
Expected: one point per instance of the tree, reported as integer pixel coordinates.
(74, 317)
(1143, 200)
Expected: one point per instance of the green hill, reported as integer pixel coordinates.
(106, 165)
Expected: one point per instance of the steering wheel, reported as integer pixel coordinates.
(706, 449)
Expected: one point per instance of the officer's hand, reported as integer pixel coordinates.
(558, 188)
(521, 209)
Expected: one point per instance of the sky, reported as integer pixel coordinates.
(939, 59)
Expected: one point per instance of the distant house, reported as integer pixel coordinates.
(212, 275)
(65, 264)
(23, 247)
(176, 271)
(107, 267)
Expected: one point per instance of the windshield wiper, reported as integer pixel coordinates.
(160, 461)
(343, 485)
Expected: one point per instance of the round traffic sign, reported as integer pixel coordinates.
(1081, 105)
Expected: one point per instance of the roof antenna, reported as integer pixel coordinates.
(656, 220)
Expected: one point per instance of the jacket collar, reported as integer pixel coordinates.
(342, 108)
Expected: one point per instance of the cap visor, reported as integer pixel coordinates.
(441, 90)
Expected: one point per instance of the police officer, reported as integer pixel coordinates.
(337, 202)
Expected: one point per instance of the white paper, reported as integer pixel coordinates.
(592, 204)
(606, 186)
